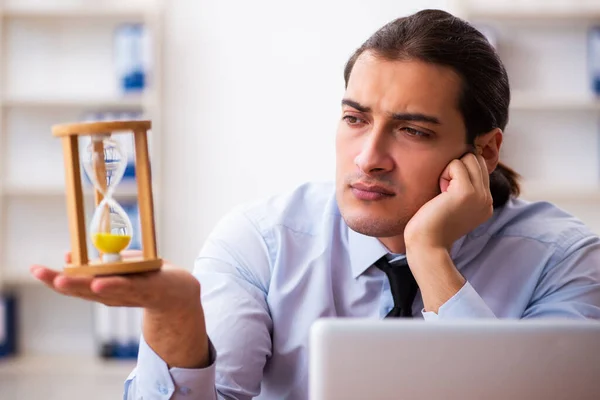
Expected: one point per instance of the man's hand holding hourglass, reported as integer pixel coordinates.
(173, 324)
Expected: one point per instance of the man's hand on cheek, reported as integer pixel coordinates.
(464, 203)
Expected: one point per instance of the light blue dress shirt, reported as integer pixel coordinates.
(269, 270)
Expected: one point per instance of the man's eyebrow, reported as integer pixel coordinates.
(416, 117)
(356, 105)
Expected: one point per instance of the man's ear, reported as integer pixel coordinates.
(488, 145)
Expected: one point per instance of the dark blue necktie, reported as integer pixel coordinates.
(402, 284)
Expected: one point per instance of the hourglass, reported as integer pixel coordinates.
(104, 162)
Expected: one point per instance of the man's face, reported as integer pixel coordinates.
(399, 129)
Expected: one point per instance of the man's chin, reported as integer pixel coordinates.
(370, 225)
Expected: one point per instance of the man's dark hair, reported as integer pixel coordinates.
(437, 37)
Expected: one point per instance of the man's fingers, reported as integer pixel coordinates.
(472, 165)
(456, 174)
(485, 174)
(133, 289)
(81, 287)
(43, 274)
(79, 283)
(75, 286)
(111, 285)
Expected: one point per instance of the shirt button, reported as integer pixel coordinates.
(163, 389)
(185, 391)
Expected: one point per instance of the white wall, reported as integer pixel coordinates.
(252, 95)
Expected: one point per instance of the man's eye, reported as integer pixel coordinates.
(352, 120)
(415, 132)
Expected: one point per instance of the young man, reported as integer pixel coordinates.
(418, 182)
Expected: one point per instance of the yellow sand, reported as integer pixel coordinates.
(110, 243)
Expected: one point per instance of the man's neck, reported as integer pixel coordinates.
(394, 244)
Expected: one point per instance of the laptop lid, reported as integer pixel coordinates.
(478, 359)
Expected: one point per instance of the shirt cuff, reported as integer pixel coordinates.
(154, 380)
(465, 304)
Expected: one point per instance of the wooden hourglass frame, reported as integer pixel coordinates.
(80, 263)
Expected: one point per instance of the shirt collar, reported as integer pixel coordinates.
(365, 250)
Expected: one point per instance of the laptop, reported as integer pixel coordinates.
(479, 359)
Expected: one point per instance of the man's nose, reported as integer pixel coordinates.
(374, 157)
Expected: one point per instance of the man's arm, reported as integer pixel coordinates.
(444, 290)
(570, 287)
(172, 312)
(234, 269)
(179, 337)
(441, 283)
(465, 202)
(176, 359)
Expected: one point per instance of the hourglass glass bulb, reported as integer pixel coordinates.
(110, 230)
(104, 163)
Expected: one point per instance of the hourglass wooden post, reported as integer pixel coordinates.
(107, 210)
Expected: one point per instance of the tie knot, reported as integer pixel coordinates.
(398, 262)
(394, 265)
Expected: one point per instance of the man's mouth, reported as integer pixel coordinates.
(364, 191)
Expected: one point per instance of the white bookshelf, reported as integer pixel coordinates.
(57, 65)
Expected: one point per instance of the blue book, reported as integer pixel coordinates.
(8, 325)
(594, 59)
